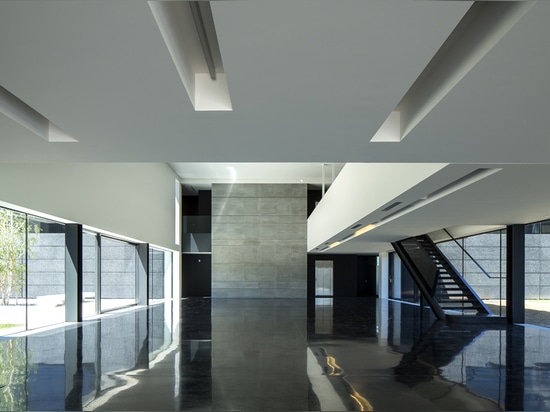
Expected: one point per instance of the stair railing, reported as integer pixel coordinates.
(465, 283)
(470, 256)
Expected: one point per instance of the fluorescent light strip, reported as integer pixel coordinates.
(358, 232)
(481, 28)
(26, 116)
(364, 230)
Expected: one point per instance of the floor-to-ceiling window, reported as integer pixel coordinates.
(45, 272)
(160, 281)
(481, 259)
(32, 271)
(118, 286)
(90, 275)
(33, 253)
(537, 273)
(13, 270)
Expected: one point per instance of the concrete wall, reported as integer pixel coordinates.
(491, 254)
(486, 249)
(537, 266)
(46, 265)
(259, 240)
(46, 268)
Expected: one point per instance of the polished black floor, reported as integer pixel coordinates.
(288, 355)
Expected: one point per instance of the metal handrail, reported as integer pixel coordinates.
(470, 256)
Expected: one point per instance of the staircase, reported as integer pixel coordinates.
(443, 288)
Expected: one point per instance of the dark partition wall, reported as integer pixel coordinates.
(353, 275)
(197, 275)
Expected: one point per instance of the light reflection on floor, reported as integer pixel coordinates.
(276, 354)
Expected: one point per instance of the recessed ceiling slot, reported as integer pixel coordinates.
(391, 206)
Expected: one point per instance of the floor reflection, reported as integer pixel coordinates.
(264, 354)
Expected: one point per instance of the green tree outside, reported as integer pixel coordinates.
(14, 244)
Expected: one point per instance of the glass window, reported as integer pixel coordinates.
(45, 272)
(537, 273)
(157, 275)
(118, 274)
(481, 259)
(13, 276)
(90, 269)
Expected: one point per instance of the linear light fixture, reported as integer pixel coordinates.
(188, 30)
(20, 112)
(481, 28)
(364, 230)
(358, 232)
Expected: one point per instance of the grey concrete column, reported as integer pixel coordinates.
(73, 272)
(515, 273)
(143, 273)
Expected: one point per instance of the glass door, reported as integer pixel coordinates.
(323, 277)
(118, 273)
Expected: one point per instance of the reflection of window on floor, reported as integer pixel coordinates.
(323, 315)
(118, 274)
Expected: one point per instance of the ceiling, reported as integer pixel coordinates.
(311, 82)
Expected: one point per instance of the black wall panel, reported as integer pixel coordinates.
(353, 275)
(196, 275)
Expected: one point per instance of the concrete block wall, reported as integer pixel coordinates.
(46, 265)
(259, 240)
(537, 266)
(156, 274)
(118, 270)
(490, 252)
(486, 250)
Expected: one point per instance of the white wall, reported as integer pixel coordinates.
(130, 199)
(360, 189)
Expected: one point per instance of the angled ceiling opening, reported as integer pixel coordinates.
(26, 116)
(188, 30)
(481, 28)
